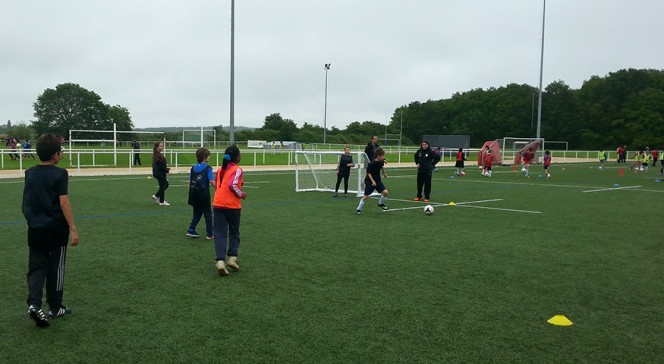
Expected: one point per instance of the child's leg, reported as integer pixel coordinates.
(56, 278)
(220, 233)
(198, 213)
(37, 272)
(362, 200)
(346, 184)
(383, 195)
(209, 228)
(233, 232)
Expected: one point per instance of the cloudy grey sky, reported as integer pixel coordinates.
(168, 62)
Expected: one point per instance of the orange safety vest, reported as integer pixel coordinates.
(224, 196)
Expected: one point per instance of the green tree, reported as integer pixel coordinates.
(285, 128)
(70, 106)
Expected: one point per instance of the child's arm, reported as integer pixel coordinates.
(65, 205)
(384, 174)
(373, 183)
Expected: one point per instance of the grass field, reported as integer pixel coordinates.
(475, 282)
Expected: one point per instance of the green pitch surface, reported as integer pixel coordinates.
(475, 282)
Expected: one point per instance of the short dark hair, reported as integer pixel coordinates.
(379, 152)
(201, 154)
(47, 146)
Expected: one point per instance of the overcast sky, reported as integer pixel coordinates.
(168, 62)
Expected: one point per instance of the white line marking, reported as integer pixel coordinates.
(499, 209)
(435, 204)
(612, 189)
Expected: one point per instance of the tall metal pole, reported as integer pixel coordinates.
(539, 102)
(232, 116)
(327, 67)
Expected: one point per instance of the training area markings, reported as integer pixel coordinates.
(468, 204)
(613, 189)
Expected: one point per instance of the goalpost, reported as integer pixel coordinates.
(316, 171)
(73, 140)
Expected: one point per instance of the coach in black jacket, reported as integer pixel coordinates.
(425, 159)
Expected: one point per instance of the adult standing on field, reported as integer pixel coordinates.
(343, 171)
(425, 159)
(370, 149)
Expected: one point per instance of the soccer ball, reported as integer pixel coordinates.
(463, 173)
(428, 210)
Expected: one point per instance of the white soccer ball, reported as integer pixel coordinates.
(428, 209)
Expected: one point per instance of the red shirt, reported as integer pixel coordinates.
(488, 159)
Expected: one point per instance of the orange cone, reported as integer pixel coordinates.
(514, 167)
(620, 172)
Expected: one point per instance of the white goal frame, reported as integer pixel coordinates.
(316, 171)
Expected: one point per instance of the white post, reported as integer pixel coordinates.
(201, 137)
(115, 145)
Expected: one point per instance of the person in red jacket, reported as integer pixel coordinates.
(488, 161)
(460, 165)
(227, 206)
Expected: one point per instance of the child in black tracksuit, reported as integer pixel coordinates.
(425, 159)
(51, 225)
(160, 171)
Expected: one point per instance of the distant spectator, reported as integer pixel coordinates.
(137, 151)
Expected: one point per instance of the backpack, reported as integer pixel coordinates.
(199, 187)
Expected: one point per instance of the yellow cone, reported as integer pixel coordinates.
(451, 204)
(559, 320)
(149, 177)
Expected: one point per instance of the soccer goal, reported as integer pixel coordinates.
(316, 171)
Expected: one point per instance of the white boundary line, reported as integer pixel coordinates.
(499, 209)
(612, 189)
(421, 204)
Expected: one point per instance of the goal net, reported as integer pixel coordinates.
(530, 148)
(316, 171)
(497, 157)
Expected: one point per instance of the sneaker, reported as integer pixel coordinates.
(426, 200)
(416, 199)
(232, 262)
(165, 203)
(358, 212)
(382, 206)
(59, 313)
(209, 237)
(192, 233)
(335, 195)
(155, 198)
(221, 268)
(37, 315)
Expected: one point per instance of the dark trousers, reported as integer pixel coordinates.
(46, 266)
(137, 158)
(345, 178)
(163, 185)
(424, 180)
(202, 211)
(226, 232)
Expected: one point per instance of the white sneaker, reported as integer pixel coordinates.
(165, 203)
(232, 262)
(155, 198)
(221, 268)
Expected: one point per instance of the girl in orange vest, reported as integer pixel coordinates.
(227, 205)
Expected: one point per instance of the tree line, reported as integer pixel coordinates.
(625, 107)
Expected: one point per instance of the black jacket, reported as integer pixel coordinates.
(427, 159)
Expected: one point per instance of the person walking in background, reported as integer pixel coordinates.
(547, 163)
(526, 160)
(655, 157)
(425, 160)
(460, 165)
(488, 162)
(51, 225)
(136, 146)
(343, 171)
(373, 181)
(370, 149)
(201, 177)
(227, 210)
(602, 156)
(638, 159)
(160, 171)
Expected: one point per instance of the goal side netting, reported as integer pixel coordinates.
(317, 171)
(530, 148)
(497, 157)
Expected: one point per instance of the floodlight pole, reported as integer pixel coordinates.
(327, 68)
(232, 110)
(539, 101)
